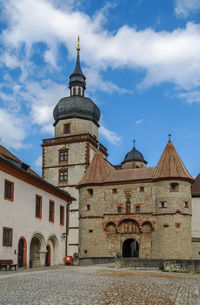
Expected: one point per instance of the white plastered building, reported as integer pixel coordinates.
(33, 215)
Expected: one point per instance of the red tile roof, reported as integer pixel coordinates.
(98, 169)
(101, 171)
(7, 154)
(170, 165)
(130, 174)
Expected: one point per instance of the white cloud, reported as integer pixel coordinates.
(111, 136)
(139, 121)
(172, 56)
(42, 99)
(12, 130)
(191, 96)
(184, 7)
(9, 61)
(164, 56)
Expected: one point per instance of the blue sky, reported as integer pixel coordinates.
(142, 63)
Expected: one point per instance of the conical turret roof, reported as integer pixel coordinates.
(170, 166)
(98, 169)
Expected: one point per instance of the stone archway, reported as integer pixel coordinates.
(130, 248)
(22, 252)
(37, 251)
(54, 250)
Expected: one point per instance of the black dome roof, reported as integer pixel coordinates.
(76, 107)
(134, 155)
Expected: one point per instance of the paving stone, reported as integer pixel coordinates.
(96, 285)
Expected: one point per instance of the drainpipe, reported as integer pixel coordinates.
(67, 226)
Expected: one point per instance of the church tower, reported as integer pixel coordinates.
(67, 155)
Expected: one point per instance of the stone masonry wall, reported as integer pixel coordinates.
(77, 126)
(172, 237)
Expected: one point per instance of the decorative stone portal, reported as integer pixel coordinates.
(52, 250)
(130, 248)
(37, 251)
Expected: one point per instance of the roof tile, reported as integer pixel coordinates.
(170, 165)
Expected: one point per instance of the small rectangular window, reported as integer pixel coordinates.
(88, 207)
(177, 225)
(186, 204)
(7, 237)
(62, 215)
(114, 191)
(63, 175)
(66, 128)
(119, 209)
(174, 187)
(9, 190)
(163, 204)
(38, 206)
(137, 209)
(141, 188)
(90, 231)
(90, 192)
(166, 225)
(51, 210)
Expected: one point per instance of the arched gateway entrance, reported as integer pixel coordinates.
(130, 248)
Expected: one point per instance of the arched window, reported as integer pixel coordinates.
(74, 90)
(79, 91)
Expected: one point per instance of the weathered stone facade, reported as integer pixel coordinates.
(103, 230)
(130, 209)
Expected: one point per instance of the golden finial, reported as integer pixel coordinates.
(78, 47)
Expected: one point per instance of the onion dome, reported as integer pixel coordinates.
(134, 155)
(77, 105)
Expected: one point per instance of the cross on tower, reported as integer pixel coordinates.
(169, 135)
(134, 142)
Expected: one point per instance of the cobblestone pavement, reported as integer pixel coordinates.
(96, 285)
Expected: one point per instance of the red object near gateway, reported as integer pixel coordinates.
(68, 259)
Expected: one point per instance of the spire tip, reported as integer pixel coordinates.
(78, 46)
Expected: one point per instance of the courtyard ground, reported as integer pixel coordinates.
(95, 285)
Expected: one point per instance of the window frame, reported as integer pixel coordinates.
(186, 204)
(62, 219)
(64, 128)
(142, 189)
(62, 170)
(10, 237)
(38, 197)
(137, 207)
(174, 187)
(63, 150)
(163, 204)
(119, 210)
(52, 203)
(114, 191)
(6, 181)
